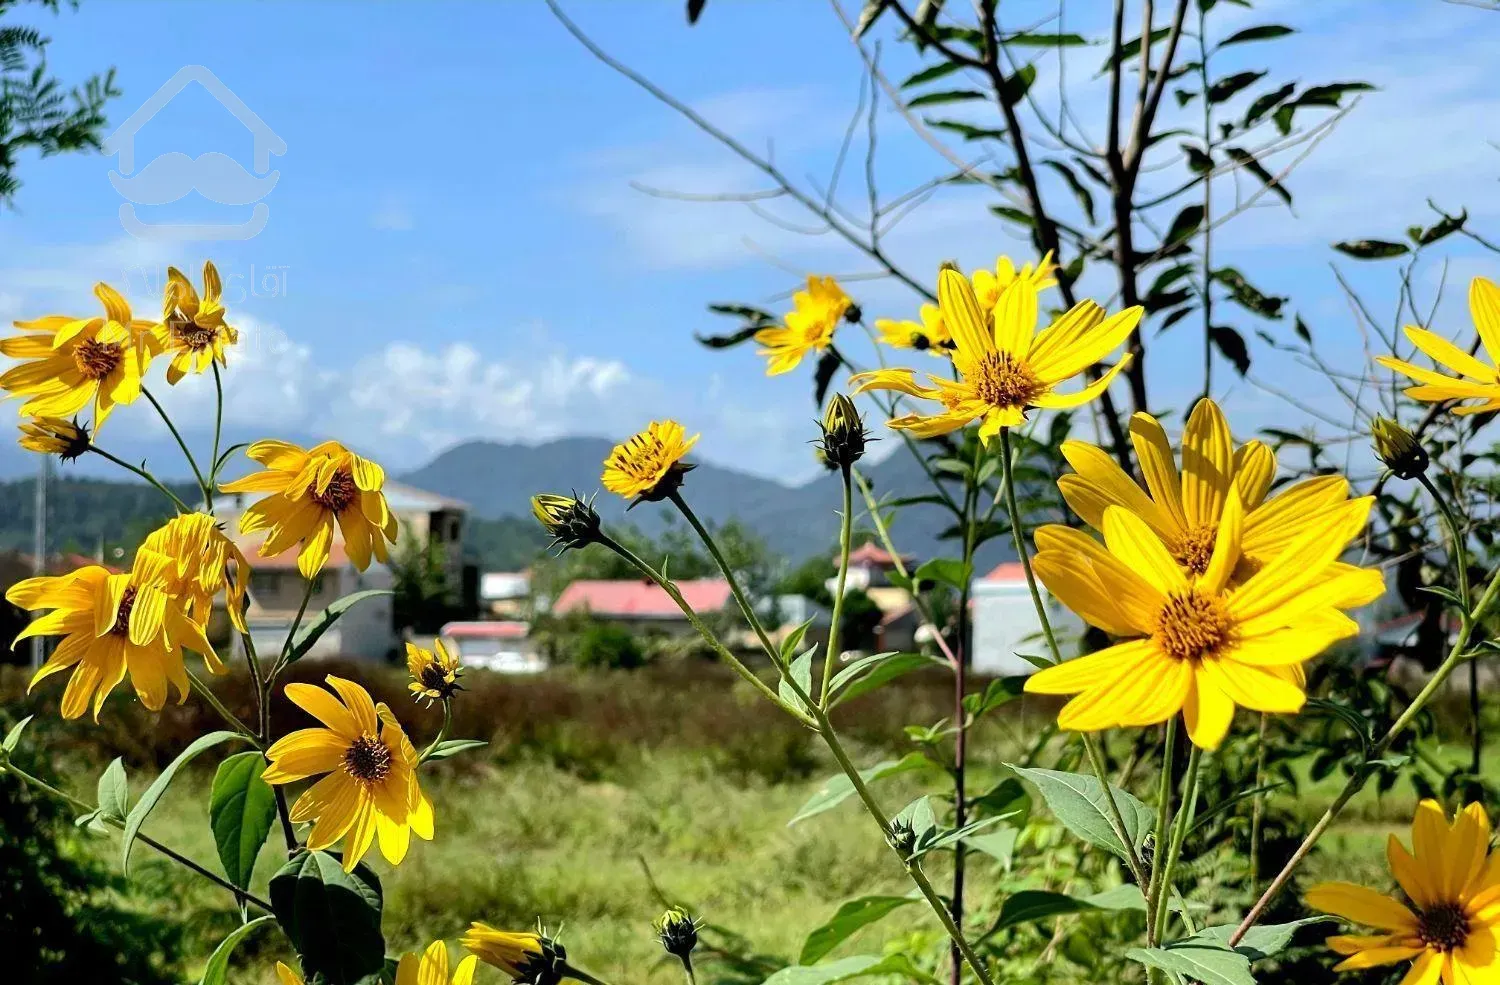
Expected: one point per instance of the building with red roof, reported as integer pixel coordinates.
(642, 602)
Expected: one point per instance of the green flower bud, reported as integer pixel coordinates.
(844, 434)
(572, 522)
(677, 931)
(1399, 449)
(903, 838)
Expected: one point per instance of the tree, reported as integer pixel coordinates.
(36, 112)
(424, 598)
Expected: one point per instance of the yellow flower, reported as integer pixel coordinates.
(200, 555)
(287, 975)
(55, 436)
(1446, 923)
(1191, 646)
(1006, 367)
(311, 490)
(114, 624)
(931, 335)
(434, 673)
(371, 787)
(808, 327)
(1483, 383)
(525, 956)
(1185, 510)
(75, 361)
(193, 329)
(648, 466)
(988, 287)
(432, 968)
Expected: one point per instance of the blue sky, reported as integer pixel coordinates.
(454, 247)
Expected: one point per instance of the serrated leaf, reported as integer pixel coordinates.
(452, 747)
(838, 789)
(158, 788)
(311, 633)
(1210, 965)
(114, 792)
(853, 916)
(332, 917)
(241, 811)
(1077, 801)
(217, 968)
(1261, 941)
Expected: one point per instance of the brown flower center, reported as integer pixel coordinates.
(368, 759)
(1002, 381)
(1192, 626)
(1444, 926)
(1195, 548)
(190, 334)
(122, 615)
(433, 678)
(339, 494)
(96, 360)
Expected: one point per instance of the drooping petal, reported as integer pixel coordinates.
(303, 753)
(1052, 400)
(1207, 712)
(1256, 688)
(1361, 906)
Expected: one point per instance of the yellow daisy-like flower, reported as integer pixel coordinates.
(432, 968)
(113, 625)
(525, 956)
(201, 555)
(1196, 646)
(1185, 510)
(1005, 365)
(193, 328)
(434, 673)
(807, 328)
(989, 286)
(311, 490)
(371, 784)
(68, 363)
(1483, 381)
(287, 976)
(931, 335)
(55, 436)
(648, 466)
(1446, 925)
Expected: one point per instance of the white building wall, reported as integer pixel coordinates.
(1005, 624)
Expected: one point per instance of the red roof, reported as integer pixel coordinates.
(641, 598)
(494, 629)
(871, 554)
(1007, 571)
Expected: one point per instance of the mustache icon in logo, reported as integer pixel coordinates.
(175, 175)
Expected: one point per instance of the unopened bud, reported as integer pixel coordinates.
(1398, 448)
(844, 434)
(677, 931)
(903, 838)
(572, 522)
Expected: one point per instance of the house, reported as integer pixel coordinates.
(505, 594)
(1005, 623)
(501, 645)
(639, 604)
(276, 589)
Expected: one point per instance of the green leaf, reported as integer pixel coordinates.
(332, 917)
(943, 98)
(1184, 226)
(892, 666)
(931, 74)
(1077, 801)
(1132, 48)
(1264, 32)
(756, 316)
(869, 15)
(828, 365)
(241, 810)
(837, 789)
(1265, 103)
(1247, 160)
(1231, 345)
(13, 737)
(858, 966)
(919, 815)
(851, 917)
(1000, 691)
(1036, 40)
(1331, 95)
(153, 794)
(1225, 89)
(311, 633)
(949, 571)
(1202, 962)
(1080, 191)
(452, 747)
(1446, 226)
(793, 641)
(732, 339)
(966, 130)
(1372, 249)
(217, 968)
(1019, 216)
(114, 792)
(1031, 905)
(800, 670)
(1016, 86)
(999, 845)
(695, 10)
(1262, 941)
(951, 837)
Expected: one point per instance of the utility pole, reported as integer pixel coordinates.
(39, 546)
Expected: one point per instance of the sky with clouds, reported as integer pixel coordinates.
(458, 244)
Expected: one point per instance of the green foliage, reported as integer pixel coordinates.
(241, 811)
(602, 646)
(332, 917)
(425, 600)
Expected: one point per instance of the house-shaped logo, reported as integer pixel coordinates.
(173, 176)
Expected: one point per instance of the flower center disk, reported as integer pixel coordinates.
(96, 360)
(1444, 926)
(433, 678)
(1193, 626)
(1195, 549)
(1002, 381)
(191, 334)
(368, 759)
(122, 615)
(339, 494)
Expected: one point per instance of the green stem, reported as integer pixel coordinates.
(1018, 532)
(230, 717)
(697, 623)
(582, 976)
(291, 634)
(45, 787)
(687, 969)
(830, 658)
(1184, 823)
(213, 463)
(176, 500)
(1159, 838)
(1455, 538)
(1258, 806)
(734, 583)
(192, 463)
(442, 732)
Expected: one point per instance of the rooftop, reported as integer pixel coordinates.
(641, 599)
(871, 554)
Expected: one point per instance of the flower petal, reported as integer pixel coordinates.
(1440, 350)
(1141, 550)
(1158, 465)
(1362, 906)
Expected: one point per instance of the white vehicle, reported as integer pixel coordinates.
(499, 645)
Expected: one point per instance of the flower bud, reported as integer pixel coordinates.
(55, 436)
(1398, 448)
(853, 313)
(677, 931)
(844, 434)
(903, 838)
(529, 958)
(572, 522)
